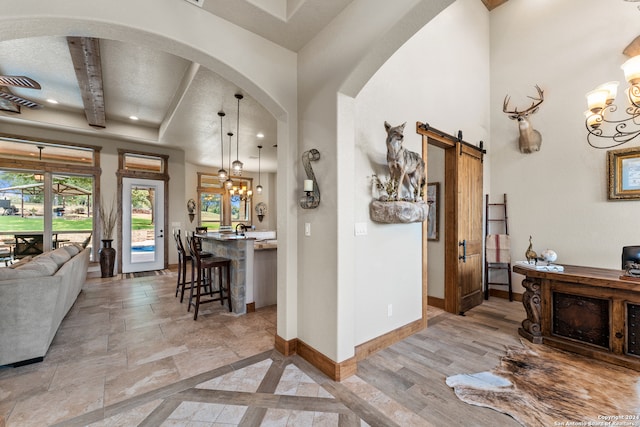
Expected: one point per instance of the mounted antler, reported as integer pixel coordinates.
(530, 139)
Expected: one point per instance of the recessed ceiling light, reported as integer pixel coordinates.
(260, 135)
(134, 118)
(52, 101)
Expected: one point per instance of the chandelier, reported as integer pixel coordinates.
(237, 164)
(601, 107)
(222, 173)
(242, 192)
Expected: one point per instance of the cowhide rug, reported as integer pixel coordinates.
(541, 386)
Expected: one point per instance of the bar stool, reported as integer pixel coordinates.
(205, 268)
(183, 257)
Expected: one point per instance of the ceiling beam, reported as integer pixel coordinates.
(85, 54)
(633, 49)
(492, 4)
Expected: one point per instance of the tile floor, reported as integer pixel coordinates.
(128, 353)
(128, 350)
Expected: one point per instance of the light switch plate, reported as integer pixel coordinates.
(360, 229)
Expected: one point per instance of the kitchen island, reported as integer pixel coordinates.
(239, 249)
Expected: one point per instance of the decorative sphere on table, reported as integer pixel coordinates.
(549, 255)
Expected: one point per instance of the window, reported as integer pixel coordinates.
(218, 206)
(47, 190)
(139, 162)
(24, 149)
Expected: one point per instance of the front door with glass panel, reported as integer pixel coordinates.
(142, 225)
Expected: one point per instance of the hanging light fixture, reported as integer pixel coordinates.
(259, 187)
(222, 173)
(601, 105)
(228, 184)
(237, 164)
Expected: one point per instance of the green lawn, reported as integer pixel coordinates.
(17, 223)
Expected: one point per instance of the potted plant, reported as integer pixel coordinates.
(107, 254)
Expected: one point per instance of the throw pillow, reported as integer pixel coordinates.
(21, 261)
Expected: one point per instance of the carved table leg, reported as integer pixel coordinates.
(531, 328)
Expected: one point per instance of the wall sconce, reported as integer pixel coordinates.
(600, 105)
(312, 199)
(191, 209)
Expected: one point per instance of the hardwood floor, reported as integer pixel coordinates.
(128, 353)
(413, 371)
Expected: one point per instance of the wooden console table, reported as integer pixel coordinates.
(589, 311)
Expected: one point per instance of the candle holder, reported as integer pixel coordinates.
(312, 199)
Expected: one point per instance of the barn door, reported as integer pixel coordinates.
(463, 233)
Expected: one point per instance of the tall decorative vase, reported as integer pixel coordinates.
(107, 258)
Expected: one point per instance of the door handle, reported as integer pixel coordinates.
(463, 257)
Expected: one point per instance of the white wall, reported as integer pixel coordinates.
(559, 195)
(440, 76)
(332, 69)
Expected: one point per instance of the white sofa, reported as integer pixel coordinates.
(35, 295)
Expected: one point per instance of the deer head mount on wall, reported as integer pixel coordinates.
(530, 139)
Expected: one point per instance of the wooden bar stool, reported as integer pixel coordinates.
(183, 258)
(205, 268)
(203, 254)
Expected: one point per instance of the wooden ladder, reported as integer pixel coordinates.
(501, 219)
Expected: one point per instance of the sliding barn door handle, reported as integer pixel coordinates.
(463, 257)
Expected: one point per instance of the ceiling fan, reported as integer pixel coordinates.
(18, 81)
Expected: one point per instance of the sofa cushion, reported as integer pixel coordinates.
(72, 250)
(14, 273)
(44, 265)
(21, 261)
(59, 256)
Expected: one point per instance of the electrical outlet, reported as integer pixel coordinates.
(390, 310)
(307, 229)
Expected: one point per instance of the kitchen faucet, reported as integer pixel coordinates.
(242, 226)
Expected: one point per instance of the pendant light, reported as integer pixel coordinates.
(259, 187)
(222, 173)
(228, 184)
(237, 164)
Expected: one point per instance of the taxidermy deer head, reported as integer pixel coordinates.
(530, 139)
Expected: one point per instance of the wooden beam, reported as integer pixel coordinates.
(85, 54)
(633, 49)
(492, 4)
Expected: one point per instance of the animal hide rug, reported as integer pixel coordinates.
(541, 386)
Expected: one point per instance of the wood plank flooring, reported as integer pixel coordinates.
(129, 354)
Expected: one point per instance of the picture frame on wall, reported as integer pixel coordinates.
(623, 170)
(433, 219)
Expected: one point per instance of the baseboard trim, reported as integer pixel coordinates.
(287, 348)
(342, 370)
(374, 345)
(436, 302)
(335, 371)
(499, 293)
(251, 307)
